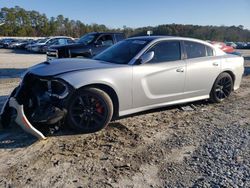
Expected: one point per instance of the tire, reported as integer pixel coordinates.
(89, 110)
(222, 88)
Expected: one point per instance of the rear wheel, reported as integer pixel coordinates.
(222, 88)
(89, 110)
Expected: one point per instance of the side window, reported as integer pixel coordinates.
(166, 51)
(210, 51)
(51, 41)
(70, 41)
(62, 41)
(106, 40)
(195, 49)
(119, 37)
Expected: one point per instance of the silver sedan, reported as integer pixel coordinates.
(134, 75)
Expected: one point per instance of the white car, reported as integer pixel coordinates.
(41, 45)
(134, 75)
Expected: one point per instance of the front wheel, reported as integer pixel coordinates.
(222, 88)
(89, 110)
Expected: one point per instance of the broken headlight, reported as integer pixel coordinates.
(58, 89)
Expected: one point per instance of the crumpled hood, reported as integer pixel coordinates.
(60, 66)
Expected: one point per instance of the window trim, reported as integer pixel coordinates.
(207, 51)
(157, 42)
(185, 51)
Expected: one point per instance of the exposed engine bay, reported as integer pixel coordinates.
(42, 100)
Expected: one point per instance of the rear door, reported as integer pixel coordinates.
(203, 67)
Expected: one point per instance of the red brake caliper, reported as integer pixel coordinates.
(99, 108)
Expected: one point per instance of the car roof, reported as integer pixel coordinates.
(99, 33)
(153, 38)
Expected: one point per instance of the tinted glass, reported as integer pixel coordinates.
(62, 41)
(70, 41)
(122, 52)
(52, 41)
(195, 49)
(106, 40)
(87, 39)
(166, 51)
(42, 40)
(119, 37)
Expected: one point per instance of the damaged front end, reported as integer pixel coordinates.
(38, 101)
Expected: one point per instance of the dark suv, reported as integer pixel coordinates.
(87, 46)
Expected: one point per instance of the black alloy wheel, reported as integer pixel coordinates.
(222, 88)
(90, 110)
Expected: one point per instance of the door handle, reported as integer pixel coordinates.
(215, 64)
(180, 70)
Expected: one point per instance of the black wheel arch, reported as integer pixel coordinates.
(231, 74)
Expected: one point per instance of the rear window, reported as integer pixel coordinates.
(194, 49)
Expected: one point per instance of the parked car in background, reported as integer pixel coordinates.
(88, 46)
(30, 43)
(57, 42)
(1, 43)
(6, 42)
(15, 44)
(19, 44)
(42, 45)
(134, 75)
(223, 46)
(241, 45)
(232, 44)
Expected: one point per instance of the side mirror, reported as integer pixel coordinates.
(147, 57)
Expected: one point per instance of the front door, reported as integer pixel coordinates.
(162, 79)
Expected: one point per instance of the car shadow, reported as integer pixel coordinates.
(178, 107)
(14, 137)
(23, 51)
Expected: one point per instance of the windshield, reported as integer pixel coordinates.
(86, 39)
(122, 52)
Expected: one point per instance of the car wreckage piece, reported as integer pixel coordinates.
(22, 120)
(31, 105)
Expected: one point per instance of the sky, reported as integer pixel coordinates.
(138, 13)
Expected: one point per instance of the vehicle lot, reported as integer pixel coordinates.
(204, 145)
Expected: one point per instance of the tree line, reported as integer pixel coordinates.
(20, 22)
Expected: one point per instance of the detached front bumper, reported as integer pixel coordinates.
(23, 121)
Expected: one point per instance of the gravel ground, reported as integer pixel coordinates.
(206, 145)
